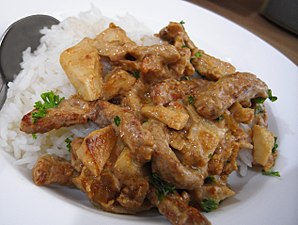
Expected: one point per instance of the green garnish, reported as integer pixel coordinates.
(271, 173)
(275, 146)
(198, 54)
(68, 144)
(136, 74)
(163, 188)
(185, 78)
(182, 22)
(261, 100)
(220, 118)
(259, 109)
(34, 136)
(50, 101)
(184, 46)
(210, 155)
(210, 180)
(190, 99)
(117, 120)
(208, 205)
(270, 96)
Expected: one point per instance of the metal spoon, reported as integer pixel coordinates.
(19, 36)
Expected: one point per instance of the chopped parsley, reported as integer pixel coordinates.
(271, 173)
(117, 120)
(163, 188)
(261, 100)
(50, 101)
(220, 118)
(271, 97)
(182, 22)
(275, 146)
(185, 78)
(34, 136)
(184, 46)
(136, 74)
(198, 54)
(190, 100)
(68, 144)
(208, 205)
(210, 180)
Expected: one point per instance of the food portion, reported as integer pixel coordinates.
(163, 125)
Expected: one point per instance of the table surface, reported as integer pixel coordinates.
(246, 13)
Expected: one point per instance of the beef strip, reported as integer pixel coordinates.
(208, 66)
(170, 90)
(51, 169)
(176, 209)
(219, 96)
(174, 172)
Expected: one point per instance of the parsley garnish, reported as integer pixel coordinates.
(261, 100)
(34, 136)
(136, 74)
(275, 145)
(190, 99)
(271, 173)
(182, 22)
(220, 118)
(271, 97)
(185, 78)
(208, 205)
(117, 120)
(68, 143)
(50, 101)
(184, 46)
(163, 188)
(210, 180)
(198, 54)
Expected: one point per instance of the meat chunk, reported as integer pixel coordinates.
(173, 172)
(208, 66)
(219, 96)
(113, 43)
(51, 169)
(117, 82)
(69, 112)
(83, 68)
(96, 148)
(176, 210)
(170, 90)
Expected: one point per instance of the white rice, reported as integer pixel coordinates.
(41, 72)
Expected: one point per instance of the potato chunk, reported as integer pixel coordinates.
(175, 119)
(263, 141)
(96, 149)
(83, 68)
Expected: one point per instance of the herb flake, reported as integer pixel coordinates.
(136, 74)
(34, 136)
(271, 173)
(182, 22)
(208, 205)
(271, 97)
(68, 143)
(275, 146)
(163, 188)
(117, 120)
(191, 99)
(50, 100)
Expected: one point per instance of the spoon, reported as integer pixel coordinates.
(19, 36)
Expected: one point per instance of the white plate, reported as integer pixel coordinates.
(260, 199)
